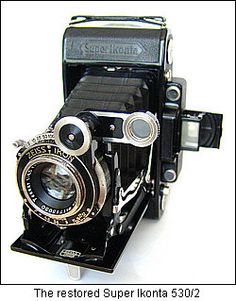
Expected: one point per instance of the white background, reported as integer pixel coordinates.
(194, 241)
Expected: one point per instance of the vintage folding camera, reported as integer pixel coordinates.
(109, 156)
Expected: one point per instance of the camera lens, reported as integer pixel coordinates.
(57, 182)
(53, 185)
(62, 191)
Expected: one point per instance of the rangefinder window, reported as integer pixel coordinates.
(112, 151)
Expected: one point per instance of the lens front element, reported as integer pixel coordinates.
(57, 182)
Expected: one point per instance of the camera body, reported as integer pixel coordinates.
(111, 153)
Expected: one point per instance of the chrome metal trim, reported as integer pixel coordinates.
(153, 123)
(148, 172)
(150, 24)
(94, 62)
(162, 53)
(129, 118)
(169, 53)
(40, 139)
(176, 89)
(83, 127)
(19, 143)
(110, 114)
(74, 272)
(77, 180)
(165, 197)
(129, 193)
(102, 182)
(99, 171)
(171, 173)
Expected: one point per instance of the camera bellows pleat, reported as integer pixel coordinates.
(106, 93)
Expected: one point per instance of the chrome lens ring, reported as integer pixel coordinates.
(141, 129)
(90, 185)
(103, 177)
(31, 197)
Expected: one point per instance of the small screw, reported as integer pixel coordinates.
(71, 137)
(112, 127)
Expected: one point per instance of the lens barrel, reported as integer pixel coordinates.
(58, 187)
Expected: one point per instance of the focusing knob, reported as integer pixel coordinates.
(72, 135)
